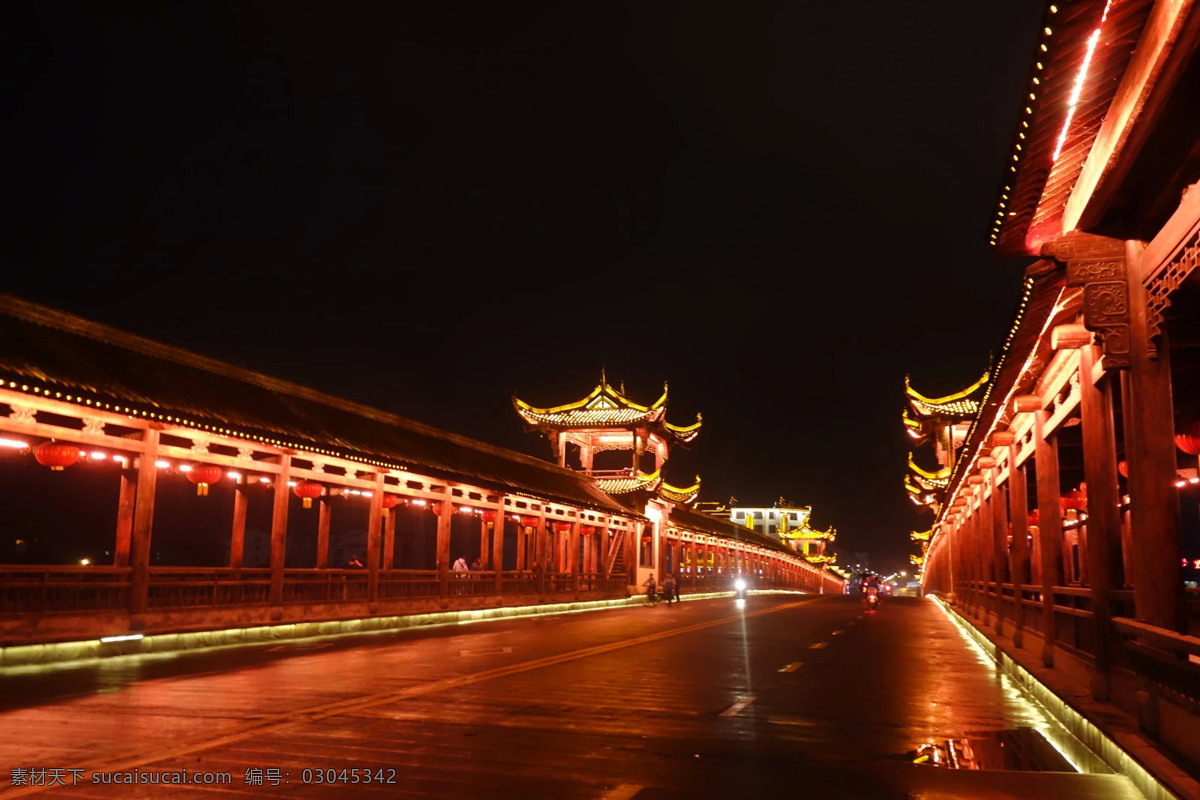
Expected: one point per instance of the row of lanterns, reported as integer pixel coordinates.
(60, 455)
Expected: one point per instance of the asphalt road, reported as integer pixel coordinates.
(788, 696)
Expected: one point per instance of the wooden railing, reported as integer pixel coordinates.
(75, 588)
(1169, 660)
(42, 589)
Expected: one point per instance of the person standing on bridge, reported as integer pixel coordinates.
(460, 572)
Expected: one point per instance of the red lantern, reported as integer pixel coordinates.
(1032, 519)
(529, 522)
(436, 507)
(489, 517)
(587, 530)
(1074, 500)
(390, 501)
(647, 538)
(56, 455)
(562, 527)
(1188, 440)
(1123, 468)
(202, 475)
(307, 490)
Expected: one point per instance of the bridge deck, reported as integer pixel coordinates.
(787, 697)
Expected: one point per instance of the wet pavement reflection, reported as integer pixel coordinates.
(780, 696)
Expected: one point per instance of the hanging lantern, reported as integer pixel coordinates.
(1074, 500)
(587, 530)
(489, 517)
(1188, 439)
(529, 522)
(1032, 519)
(390, 501)
(1123, 468)
(647, 538)
(202, 475)
(56, 455)
(436, 508)
(562, 527)
(307, 490)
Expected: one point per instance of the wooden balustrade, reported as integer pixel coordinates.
(38, 589)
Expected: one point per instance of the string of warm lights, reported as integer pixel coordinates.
(1020, 139)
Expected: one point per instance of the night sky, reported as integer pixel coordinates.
(781, 209)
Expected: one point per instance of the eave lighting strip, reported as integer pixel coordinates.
(1080, 79)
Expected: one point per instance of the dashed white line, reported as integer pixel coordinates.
(623, 792)
(737, 707)
(792, 667)
(817, 646)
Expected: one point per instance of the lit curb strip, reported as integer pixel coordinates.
(172, 644)
(1111, 753)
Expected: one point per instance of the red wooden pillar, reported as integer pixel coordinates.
(324, 513)
(237, 535)
(374, 523)
(523, 533)
(279, 518)
(999, 537)
(541, 549)
(1049, 526)
(498, 545)
(389, 539)
(143, 523)
(1148, 415)
(1103, 514)
(572, 537)
(445, 515)
(1018, 511)
(126, 499)
(484, 541)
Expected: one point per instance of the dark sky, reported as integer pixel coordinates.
(780, 208)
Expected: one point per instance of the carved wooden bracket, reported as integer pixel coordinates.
(1097, 263)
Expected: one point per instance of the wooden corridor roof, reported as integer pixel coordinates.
(1072, 82)
(700, 522)
(1027, 349)
(50, 353)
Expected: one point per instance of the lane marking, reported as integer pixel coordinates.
(623, 792)
(737, 707)
(277, 648)
(792, 667)
(837, 633)
(493, 651)
(252, 728)
(800, 722)
(817, 646)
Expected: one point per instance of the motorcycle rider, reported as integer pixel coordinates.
(870, 585)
